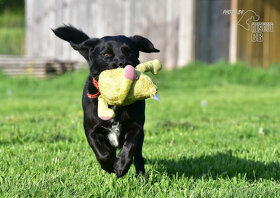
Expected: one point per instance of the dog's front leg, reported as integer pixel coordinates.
(125, 156)
(104, 152)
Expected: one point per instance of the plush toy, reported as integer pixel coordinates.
(124, 86)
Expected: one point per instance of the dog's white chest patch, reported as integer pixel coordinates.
(114, 133)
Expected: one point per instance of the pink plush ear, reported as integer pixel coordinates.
(129, 73)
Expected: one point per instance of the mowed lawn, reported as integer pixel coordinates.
(215, 133)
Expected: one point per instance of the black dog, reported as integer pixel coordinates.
(126, 129)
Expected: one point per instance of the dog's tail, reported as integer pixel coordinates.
(70, 34)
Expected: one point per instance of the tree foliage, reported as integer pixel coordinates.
(12, 5)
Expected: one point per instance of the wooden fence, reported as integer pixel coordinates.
(34, 66)
(267, 51)
(212, 30)
(168, 24)
(184, 30)
(230, 36)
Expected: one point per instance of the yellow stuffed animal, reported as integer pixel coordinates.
(124, 86)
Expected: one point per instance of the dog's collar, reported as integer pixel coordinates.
(95, 83)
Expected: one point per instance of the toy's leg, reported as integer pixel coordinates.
(104, 112)
(153, 66)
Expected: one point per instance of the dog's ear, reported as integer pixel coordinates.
(77, 38)
(143, 44)
(84, 47)
(70, 33)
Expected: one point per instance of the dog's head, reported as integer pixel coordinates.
(108, 52)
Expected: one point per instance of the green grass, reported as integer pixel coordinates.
(12, 33)
(12, 40)
(191, 150)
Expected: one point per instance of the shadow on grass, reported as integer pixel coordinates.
(217, 166)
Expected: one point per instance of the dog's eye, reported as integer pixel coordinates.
(107, 54)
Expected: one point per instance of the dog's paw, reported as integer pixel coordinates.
(141, 174)
(119, 169)
(119, 173)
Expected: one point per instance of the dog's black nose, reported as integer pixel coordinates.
(121, 63)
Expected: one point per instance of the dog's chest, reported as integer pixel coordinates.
(114, 133)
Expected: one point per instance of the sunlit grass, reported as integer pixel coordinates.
(214, 149)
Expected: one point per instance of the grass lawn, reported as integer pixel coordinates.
(202, 140)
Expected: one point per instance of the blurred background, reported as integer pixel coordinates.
(184, 31)
(12, 27)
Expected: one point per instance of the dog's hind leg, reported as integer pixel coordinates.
(138, 158)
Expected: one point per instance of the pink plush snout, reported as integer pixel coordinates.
(105, 118)
(129, 72)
